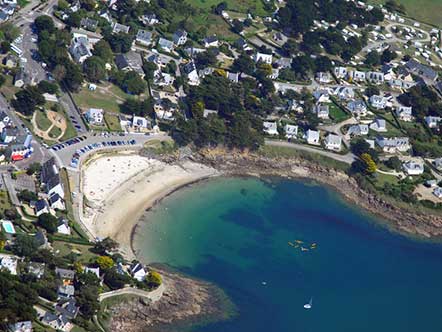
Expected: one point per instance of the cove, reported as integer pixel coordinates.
(234, 232)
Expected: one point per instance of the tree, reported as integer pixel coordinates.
(387, 56)
(105, 245)
(120, 43)
(243, 64)
(114, 279)
(2, 80)
(149, 68)
(48, 87)
(44, 23)
(370, 165)
(222, 6)
(27, 196)
(237, 26)
(153, 280)
(73, 77)
(94, 68)
(373, 59)
(87, 300)
(103, 50)
(133, 83)
(48, 222)
(24, 245)
(27, 100)
(359, 146)
(105, 262)
(394, 163)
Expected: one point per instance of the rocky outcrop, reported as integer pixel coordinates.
(184, 300)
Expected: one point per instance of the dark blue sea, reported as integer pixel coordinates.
(235, 232)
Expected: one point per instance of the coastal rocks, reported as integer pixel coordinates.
(184, 300)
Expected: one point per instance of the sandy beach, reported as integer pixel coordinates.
(119, 188)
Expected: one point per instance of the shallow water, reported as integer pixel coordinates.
(235, 232)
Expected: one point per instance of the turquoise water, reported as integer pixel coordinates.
(9, 228)
(235, 232)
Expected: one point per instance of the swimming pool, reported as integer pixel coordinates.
(8, 227)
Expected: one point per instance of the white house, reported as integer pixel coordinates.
(180, 37)
(211, 41)
(312, 137)
(378, 102)
(404, 113)
(56, 202)
(357, 108)
(413, 167)
(344, 93)
(340, 72)
(144, 37)
(166, 45)
(80, 48)
(63, 227)
(432, 121)
(333, 142)
(437, 192)
(323, 77)
(139, 122)
(270, 128)
(379, 125)
(321, 96)
(358, 130)
(95, 116)
(375, 77)
(138, 272)
(357, 76)
(393, 144)
(262, 57)
(120, 28)
(291, 131)
(9, 263)
(322, 111)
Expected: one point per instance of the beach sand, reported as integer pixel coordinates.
(119, 188)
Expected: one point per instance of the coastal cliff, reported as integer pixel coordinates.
(403, 219)
(185, 300)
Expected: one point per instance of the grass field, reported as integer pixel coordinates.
(337, 114)
(382, 179)
(428, 11)
(107, 97)
(42, 120)
(54, 132)
(64, 248)
(243, 6)
(112, 122)
(5, 203)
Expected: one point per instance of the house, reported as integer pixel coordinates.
(233, 77)
(36, 269)
(95, 116)
(42, 240)
(378, 102)
(275, 74)
(57, 322)
(138, 272)
(41, 206)
(312, 137)
(413, 167)
(94, 270)
(166, 45)
(284, 63)
(333, 142)
(189, 69)
(357, 108)
(130, 61)
(322, 111)
(162, 79)
(262, 57)
(379, 125)
(80, 48)
(159, 59)
(294, 105)
(50, 178)
(323, 77)
(66, 275)
(25, 326)
(432, 121)
(421, 70)
(192, 51)
(180, 37)
(404, 113)
(67, 307)
(139, 122)
(9, 263)
(150, 19)
(270, 128)
(438, 163)
(340, 72)
(20, 78)
(393, 144)
(291, 131)
(321, 96)
(10, 61)
(241, 44)
(211, 41)
(356, 76)
(56, 202)
(89, 24)
(9, 134)
(66, 291)
(63, 226)
(344, 93)
(375, 77)
(358, 130)
(143, 37)
(120, 28)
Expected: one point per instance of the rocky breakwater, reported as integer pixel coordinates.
(406, 219)
(184, 301)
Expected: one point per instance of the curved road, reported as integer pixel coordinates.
(346, 158)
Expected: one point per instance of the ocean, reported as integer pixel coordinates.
(235, 232)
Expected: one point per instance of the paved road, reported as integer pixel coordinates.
(11, 190)
(73, 113)
(347, 158)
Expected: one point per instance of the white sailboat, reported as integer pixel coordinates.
(309, 304)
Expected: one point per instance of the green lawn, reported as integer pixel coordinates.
(382, 179)
(54, 132)
(112, 122)
(42, 120)
(70, 130)
(5, 203)
(243, 6)
(65, 248)
(337, 114)
(428, 11)
(108, 100)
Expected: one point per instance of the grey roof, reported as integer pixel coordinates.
(165, 43)
(188, 67)
(67, 307)
(89, 23)
(64, 273)
(210, 39)
(144, 35)
(130, 60)
(421, 70)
